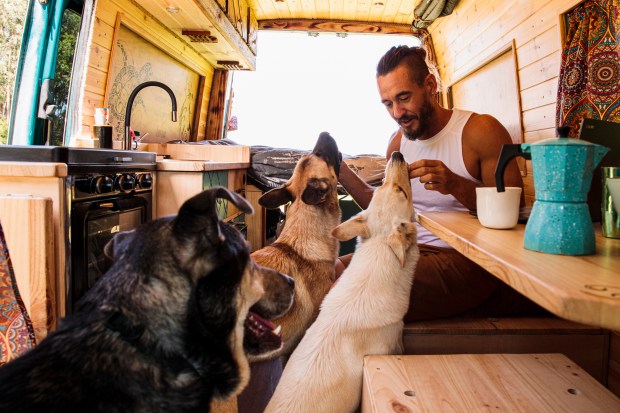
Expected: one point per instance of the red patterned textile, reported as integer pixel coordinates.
(16, 332)
(589, 82)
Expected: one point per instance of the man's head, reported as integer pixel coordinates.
(406, 86)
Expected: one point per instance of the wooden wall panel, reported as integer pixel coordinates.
(539, 95)
(477, 30)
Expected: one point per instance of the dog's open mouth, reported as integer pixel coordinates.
(261, 335)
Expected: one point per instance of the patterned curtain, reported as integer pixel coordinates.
(16, 331)
(589, 82)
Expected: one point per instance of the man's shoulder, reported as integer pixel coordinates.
(483, 129)
(395, 136)
(482, 120)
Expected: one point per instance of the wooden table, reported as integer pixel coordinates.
(584, 289)
(481, 383)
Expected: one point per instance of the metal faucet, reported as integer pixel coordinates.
(127, 141)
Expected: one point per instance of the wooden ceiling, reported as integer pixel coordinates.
(218, 29)
(373, 11)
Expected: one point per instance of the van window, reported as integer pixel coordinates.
(305, 84)
(70, 27)
(12, 16)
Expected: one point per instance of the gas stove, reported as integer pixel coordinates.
(92, 173)
(107, 191)
(80, 160)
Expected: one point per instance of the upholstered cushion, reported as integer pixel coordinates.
(16, 332)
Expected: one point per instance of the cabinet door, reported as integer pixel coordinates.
(234, 180)
(28, 224)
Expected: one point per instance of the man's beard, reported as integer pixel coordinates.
(426, 112)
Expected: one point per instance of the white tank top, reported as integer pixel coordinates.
(447, 146)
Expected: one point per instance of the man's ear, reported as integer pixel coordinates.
(430, 82)
(352, 228)
(402, 237)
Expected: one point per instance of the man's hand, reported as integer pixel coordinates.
(434, 175)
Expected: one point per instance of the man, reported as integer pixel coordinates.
(450, 153)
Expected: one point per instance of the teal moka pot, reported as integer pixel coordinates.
(560, 221)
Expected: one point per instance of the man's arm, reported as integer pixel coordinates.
(359, 190)
(483, 137)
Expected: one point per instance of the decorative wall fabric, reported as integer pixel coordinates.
(589, 82)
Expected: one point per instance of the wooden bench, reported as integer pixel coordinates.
(585, 345)
(481, 382)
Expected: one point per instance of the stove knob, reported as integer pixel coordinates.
(145, 181)
(125, 182)
(101, 185)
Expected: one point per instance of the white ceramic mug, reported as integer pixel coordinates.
(498, 210)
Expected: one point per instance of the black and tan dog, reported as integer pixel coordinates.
(166, 329)
(306, 248)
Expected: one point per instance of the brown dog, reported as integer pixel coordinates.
(306, 248)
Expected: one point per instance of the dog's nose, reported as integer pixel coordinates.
(397, 156)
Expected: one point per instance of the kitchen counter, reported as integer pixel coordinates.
(198, 166)
(33, 169)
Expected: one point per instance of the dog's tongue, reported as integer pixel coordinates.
(260, 327)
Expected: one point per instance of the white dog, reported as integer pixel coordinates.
(363, 312)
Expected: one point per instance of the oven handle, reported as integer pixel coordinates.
(115, 205)
(122, 204)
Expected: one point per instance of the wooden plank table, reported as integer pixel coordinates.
(584, 289)
(481, 383)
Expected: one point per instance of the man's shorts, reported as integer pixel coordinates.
(448, 284)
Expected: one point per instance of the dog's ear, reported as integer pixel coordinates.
(199, 213)
(352, 228)
(117, 245)
(402, 237)
(276, 197)
(240, 202)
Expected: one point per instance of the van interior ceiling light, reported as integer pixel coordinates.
(172, 9)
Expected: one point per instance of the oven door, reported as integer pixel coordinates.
(93, 224)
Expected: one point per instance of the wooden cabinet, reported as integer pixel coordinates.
(189, 169)
(33, 207)
(28, 225)
(174, 187)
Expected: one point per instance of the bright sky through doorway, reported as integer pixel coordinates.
(304, 85)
